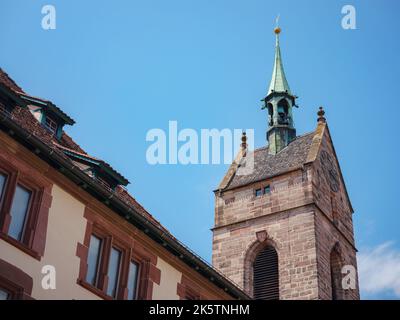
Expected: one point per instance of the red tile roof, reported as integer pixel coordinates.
(27, 121)
(6, 80)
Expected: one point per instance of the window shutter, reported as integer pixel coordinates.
(266, 275)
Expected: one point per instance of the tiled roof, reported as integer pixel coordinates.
(267, 165)
(23, 120)
(6, 80)
(27, 121)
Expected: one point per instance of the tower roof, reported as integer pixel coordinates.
(278, 81)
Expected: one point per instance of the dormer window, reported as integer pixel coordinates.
(96, 168)
(51, 125)
(48, 114)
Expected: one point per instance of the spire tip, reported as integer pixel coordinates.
(277, 30)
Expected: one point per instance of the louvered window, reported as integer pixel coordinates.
(336, 276)
(265, 275)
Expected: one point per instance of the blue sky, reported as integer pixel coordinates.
(121, 68)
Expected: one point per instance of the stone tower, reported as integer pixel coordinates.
(284, 229)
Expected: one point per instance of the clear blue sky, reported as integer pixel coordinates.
(121, 68)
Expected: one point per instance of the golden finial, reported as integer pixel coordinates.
(277, 30)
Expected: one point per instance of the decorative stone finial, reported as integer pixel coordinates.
(321, 114)
(244, 141)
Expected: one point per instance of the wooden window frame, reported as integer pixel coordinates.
(144, 275)
(35, 225)
(134, 259)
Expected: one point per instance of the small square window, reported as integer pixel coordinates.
(258, 192)
(267, 189)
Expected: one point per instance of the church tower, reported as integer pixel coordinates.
(284, 230)
(279, 103)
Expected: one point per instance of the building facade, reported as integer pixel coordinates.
(285, 231)
(68, 227)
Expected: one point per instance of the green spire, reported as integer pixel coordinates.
(278, 81)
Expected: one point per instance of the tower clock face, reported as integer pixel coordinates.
(330, 172)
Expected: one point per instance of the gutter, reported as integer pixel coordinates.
(109, 198)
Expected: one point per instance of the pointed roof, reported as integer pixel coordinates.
(278, 81)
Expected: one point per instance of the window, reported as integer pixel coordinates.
(133, 280)
(25, 200)
(265, 190)
(266, 275)
(114, 264)
(14, 283)
(114, 272)
(110, 268)
(336, 276)
(94, 257)
(19, 211)
(4, 295)
(270, 114)
(51, 125)
(283, 112)
(3, 179)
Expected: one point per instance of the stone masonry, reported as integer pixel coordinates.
(302, 218)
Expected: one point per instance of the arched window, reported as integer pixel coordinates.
(266, 275)
(270, 114)
(336, 275)
(283, 112)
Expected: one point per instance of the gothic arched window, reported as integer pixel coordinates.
(336, 276)
(266, 275)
